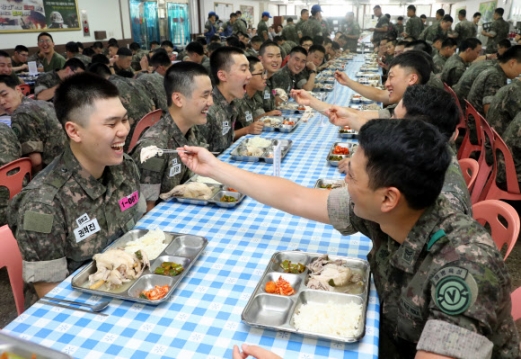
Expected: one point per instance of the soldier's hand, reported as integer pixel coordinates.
(143, 63)
(338, 116)
(256, 128)
(492, 56)
(311, 66)
(254, 351)
(342, 165)
(342, 78)
(198, 160)
(302, 97)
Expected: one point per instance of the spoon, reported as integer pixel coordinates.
(94, 307)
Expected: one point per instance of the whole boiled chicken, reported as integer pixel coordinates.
(189, 190)
(115, 267)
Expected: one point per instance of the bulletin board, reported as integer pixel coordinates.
(38, 15)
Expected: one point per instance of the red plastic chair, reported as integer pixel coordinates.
(13, 179)
(11, 258)
(491, 211)
(147, 121)
(462, 119)
(491, 190)
(467, 147)
(470, 169)
(26, 89)
(516, 303)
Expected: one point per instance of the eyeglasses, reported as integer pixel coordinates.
(263, 74)
(44, 41)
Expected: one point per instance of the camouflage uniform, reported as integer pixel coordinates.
(298, 26)
(261, 28)
(268, 99)
(206, 64)
(311, 28)
(139, 55)
(11, 150)
(290, 33)
(486, 86)
(430, 33)
(46, 81)
(387, 112)
(505, 106)
(38, 130)
(382, 21)
(248, 109)
(439, 62)
(325, 28)
(65, 216)
(400, 29)
(512, 138)
(284, 79)
(162, 173)
(462, 88)
(57, 62)
(239, 26)
(414, 26)
(500, 29)
(465, 30)
(302, 78)
(154, 86)
(445, 248)
(83, 58)
(218, 130)
(351, 28)
(434, 81)
(135, 99)
(285, 49)
(453, 70)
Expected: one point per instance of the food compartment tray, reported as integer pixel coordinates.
(285, 145)
(336, 183)
(27, 349)
(277, 312)
(332, 162)
(280, 127)
(186, 247)
(217, 193)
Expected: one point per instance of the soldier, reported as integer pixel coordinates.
(380, 29)
(160, 62)
(440, 13)
(58, 232)
(392, 195)
(11, 150)
(270, 57)
(290, 31)
(437, 30)
(34, 123)
(352, 31)
(304, 16)
(46, 83)
(475, 19)
(314, 59)
(457, 64)
(306, 42)
(19, 58)
(237, 25)
(285, 46)
(132, 94)
(51, 60)
(123, 61)
(314, 25)
(137, 53)
(211, 27)
(230, 73)
(448, 48)
(505, 105)
(399, 26)
(497, 32)
(464, 28)
(255, 44)
(492, 79)
(414, 25)
(262, 27)
(6, 67)
(288, 77)
(512, 138)
(423, 18)
(195, 52)
(425, 49)
(72, 51)
(189, 96)
(153, 83)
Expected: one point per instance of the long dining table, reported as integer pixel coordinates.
(202, 319)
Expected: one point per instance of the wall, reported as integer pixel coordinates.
(103, 16)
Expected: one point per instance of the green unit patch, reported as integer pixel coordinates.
(38, 222)
(452, 295)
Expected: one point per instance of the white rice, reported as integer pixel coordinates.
(151, 243)
(259, 142)
(341, 320)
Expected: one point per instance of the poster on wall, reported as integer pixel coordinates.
(38, 15)
(247, 14)
(487, 11)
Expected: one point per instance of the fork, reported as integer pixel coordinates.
(161, 151)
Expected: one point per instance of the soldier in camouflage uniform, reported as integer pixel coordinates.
(380, 29)
(504, 106)
(442, 283)
(288, 77)
(11, 150)
(271, 59)
(464, 29)
(457, 64)
(304, 16)
(314, 25)
(210, 26)
(230, 71)
(154, 86)
(485, 87)
(190, 96)
(512, 138)
(34, 123)
(262, 27)
(289, 32)
(448, 47)
(237, 25)
(400, 28)
(47, 82)
(195, 52)
(73, 51)
(87, 197)
(439, 30)
(352, 31)
(462, 88)
(414, 25)
(498, 31)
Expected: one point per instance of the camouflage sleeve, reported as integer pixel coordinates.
(457, 30)
(150, 171)
(338, 209)
(456, 74)
(26, 128)
(493, 29)
(492, 86)
(40, 85)
(41, 235)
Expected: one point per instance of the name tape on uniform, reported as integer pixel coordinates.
(86, 230)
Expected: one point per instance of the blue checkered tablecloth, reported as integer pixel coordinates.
(202, 319)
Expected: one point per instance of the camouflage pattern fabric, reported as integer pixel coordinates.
(501, 28)
(239, 26)
(284, 79)
(38, 130)
(465, 30)
(298, 27)
(135, 99)
(46, 81)
(434, 81)
(83, 58)
(139, 55)
(218, 130)
(445, 248)
(512, 138)
(414, 26)
(505, 105)
(430, 33)
(268, 99)
(485, 87)
(153, 84)
(439, 62)
(312, 27)
(455, 188)
(65, 216)
(162, 173)
(453, 70)
(382, 22)
(351, 28)
(290, 33)
(248, 109)
(462, 88)
(206, 64)
(262, 28)
(400, 29)
(285, 49)
(11, 150)
(325, 28)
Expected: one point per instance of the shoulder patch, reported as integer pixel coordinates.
(154, 164)
(38, 222)
(454, 290)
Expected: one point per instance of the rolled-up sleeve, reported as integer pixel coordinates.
(338, 209)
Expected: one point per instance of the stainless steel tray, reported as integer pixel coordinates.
(181, 248)
(272, 311)
(27, 349)
(280, 127)
(323, 87)
(336, 183)
(290, 108)
(239, 153)
(217, 193)
(351, 146)
(347, 133)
